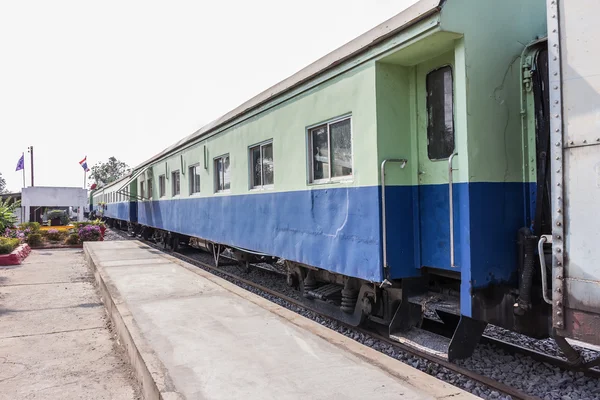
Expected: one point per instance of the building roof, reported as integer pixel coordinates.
(16, 195)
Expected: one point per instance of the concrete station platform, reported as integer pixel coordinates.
(54, 338)
(192, 335)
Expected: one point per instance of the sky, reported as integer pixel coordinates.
(129, 78)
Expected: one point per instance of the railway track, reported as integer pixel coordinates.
(457, 369)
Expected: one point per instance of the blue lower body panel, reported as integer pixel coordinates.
(118, 211)
(339, 229)
(487, 217)
(334, 229)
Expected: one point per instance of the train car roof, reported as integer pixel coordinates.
(407, 17)
(109, 184)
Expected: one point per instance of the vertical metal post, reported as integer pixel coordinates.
(556, 162)
(383, 213)
(31, 154)
(23, 155)
(451, 207)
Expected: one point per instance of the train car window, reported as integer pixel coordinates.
(142, 192)
(161, 186)
(341, 148)
(331, 150)
(440, 114)
(320, 153)
(175, 183)
(149, 188)
(261, 165)
(194, 179)
(222, 177)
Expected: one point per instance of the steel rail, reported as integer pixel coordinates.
(541, 357)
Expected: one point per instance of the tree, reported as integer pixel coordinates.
(2, 184)
(110, 171)
(7, 213)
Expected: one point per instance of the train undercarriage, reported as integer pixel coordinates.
(421, 312)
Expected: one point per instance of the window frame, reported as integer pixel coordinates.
(178, 172)
(149, 188)
(162, 185)
(260, 145)
(191, 179)
(216, 170)
(436, 69)
(310, 166)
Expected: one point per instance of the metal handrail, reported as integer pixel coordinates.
(450, 190)
(403, 161)
(541, 242)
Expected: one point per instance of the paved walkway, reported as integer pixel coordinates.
(54, 336)
(193, 335)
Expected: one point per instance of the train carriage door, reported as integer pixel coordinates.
(436, 148)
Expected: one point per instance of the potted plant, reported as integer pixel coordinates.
(101, 225)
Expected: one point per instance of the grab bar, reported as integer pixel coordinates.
(403, 161)
(450, 190)
(544, 239)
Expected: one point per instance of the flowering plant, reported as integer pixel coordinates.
(16, 233)
(90, 233)
(53, 234)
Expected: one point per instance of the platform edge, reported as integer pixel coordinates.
(149, 371)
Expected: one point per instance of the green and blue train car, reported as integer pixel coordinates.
(403, 166)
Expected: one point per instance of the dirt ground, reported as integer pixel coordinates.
(55, 337)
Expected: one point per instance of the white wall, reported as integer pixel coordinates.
(44, 196)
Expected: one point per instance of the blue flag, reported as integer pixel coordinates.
(21, 163)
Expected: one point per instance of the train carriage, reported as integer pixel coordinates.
(406, 172)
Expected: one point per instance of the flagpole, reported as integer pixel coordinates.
(31, 153)
(23, 157)
(84, 178)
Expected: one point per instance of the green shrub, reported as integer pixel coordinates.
(82, 224)
(98, 222)
(7, 245)
(34, 227)
(72, 239)
(35, 239)
(54, 214)
(64, 217)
